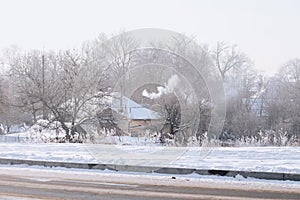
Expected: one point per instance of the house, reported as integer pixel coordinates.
(132, 118)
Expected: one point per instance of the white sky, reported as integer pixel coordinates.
(268, 31)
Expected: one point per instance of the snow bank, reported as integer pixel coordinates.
(268, 159)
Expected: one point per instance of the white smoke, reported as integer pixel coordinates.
(168, 88)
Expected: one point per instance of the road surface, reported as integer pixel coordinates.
(35, 183)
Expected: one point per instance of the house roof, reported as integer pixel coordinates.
(131, 109)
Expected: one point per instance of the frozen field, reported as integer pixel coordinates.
(269, 159)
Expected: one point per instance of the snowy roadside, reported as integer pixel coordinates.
(261, 159)
(154, 178)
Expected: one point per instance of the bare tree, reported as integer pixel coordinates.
(246, 104)
(26, 80)
(284, 101)
(2, 95)
(9, 114)
(119, 51)
(67, 84)
(227, 58)
(291, 71)
(182, 110)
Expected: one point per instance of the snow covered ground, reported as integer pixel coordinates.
(269, 159)
(154, 178)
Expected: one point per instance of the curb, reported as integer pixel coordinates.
(163, 170)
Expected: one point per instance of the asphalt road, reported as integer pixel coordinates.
(51, 184)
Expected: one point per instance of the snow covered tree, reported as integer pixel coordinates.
(227, 58)
(65, 85)
(284, 98)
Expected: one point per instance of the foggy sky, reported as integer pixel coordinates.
(267, 31)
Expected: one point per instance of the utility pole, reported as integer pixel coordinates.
(43, 85)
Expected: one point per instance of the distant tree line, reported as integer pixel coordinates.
(66, 86)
